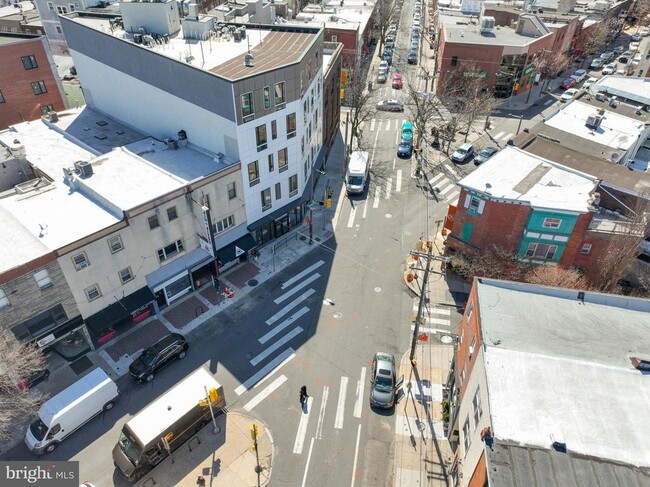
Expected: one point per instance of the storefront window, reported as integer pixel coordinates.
(179, 287)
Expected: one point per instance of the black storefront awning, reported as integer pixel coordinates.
(229, 252)
(282, 211)
(119, 311)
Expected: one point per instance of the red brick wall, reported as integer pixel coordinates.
(599, 244)
(349, 40)
(479, 477)
(468, 329)
(15, 82)
(500, 224)
(572, 250)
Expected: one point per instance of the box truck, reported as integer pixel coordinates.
(165, 424)
(357, 173)
(63, 414)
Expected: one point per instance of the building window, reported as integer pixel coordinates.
(232, 190)
(271, 163)
(43, 279)
(267, 97)
(279, 94)
(61, 10)
(29, 62)
(278, 191)
(260, 137)
(283, 160)
(266, 199)
(253, 173)
(474, 204)
(541, 251)
(454, 60)
(171, 213)
(476, 404)
(125, 275)
(93, 292)
(274, 129)
(552, 223)
(586, 248)
(472, 346)
(225, 224)
(247, 109)
(50, 5)
(115, 244)
(470, 310)
(38, 87)
(80, 261)
(170, 250)
(153, 222)
(72, 7)
(45, 109)
(462, 376)
(291, 125)
(2, 98)
(466, 439)
(334, 38)
(293, 185)
(58, 30)
(4, 301)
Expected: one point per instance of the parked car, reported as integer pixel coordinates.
(568, 95)
(610, 68)
(387, 56)
(636, 37)
(405, 148)
(384, 385)
(618, 49)
(463, 153)
(416, 22)
(485, 154)
(381, 76)
(412, 57)
(383, 66)
(589, 82)
(390, 43)
(397, 81)
(579, 75)
(414, 44)
(633, 46)
(34, 379)
(607, 56)
(407, 131)
(390, 106)
(597, 63)
(645, 32)
(568, 83)
(153, 359)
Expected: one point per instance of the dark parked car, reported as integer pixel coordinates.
(34, 379)
(413, 57)
(405, 148)
(158, 355)
(485, 154)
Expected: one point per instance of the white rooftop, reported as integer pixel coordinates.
(13, 10)
(352, 15)
(558, 367)
(513, 174)
(634, 89)
(38, 222)
(616, 131)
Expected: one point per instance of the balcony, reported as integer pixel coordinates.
(605, 221)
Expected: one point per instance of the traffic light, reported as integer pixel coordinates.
(328, 203)
(254, 435)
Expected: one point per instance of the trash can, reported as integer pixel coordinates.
(369, 85)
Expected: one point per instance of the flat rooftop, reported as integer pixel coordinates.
(352, 15)
(460, 30)
(616, 131)
(633, 89)
(558, 366)
(513, 174)
(222, 54)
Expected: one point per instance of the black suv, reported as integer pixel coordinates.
(154, 358)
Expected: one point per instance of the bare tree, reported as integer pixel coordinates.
(357, 98)
(641, 11)
(18, 362)
(382, 18)
(553, 275)
(598, 35)
(551, 64)
(423, 110)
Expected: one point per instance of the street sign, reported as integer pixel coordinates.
(238, 251)
(530, 68)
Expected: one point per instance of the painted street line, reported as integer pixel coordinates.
(302, 427)
(374, 149)
(356, 456)
(290, 320)
(360, 385)
(286, 338)
(389, 184)
(407, 426)
(340, 408)
(375, 203)
(437, 321)
(437, 311)
(321, 413)
(365, 208)
(398, 183)
(447, 189)
(266, 392)
(298, 287)
(507, 137)
(550, 102)
(302, 274)
(498, 136)
(268, 370)
(451, 170)
(372, 125)
(290, 306)
(435, 179)
(427, 390)
(353, 212)
(431, 331)
(304, 476)
(452, 196)
(388, 126)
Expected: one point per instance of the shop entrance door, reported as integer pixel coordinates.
(281, 226)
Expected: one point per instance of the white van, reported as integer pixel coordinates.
(70, 409)
(357, 173)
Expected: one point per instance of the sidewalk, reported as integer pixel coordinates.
(222, 459)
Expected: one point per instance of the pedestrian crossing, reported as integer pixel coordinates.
(445, 188)
(503, 136)
(434, 320)
(386, 124)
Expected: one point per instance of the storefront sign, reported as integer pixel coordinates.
(530, 68)
(45, 340)
(208, 229)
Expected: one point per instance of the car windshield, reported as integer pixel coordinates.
(462, 152)
(129, 448)
(384, 383)
(355, 180)
(486, 153)
(38, 429)
(148, 356)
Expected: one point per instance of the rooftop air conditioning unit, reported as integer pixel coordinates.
(84, 168)
(594, 121)
(171, 143)
(487, 24)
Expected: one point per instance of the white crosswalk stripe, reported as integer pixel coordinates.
(447, 188)
(451, 169)
(398, 183)
(340, 408)
(372, 125)
(407, 426)
(436, 178)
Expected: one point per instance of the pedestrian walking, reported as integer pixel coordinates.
(303, 394)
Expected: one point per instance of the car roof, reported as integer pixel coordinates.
(397, 75)
(384, 359)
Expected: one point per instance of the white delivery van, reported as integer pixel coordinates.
(70, 409)
(357, 173)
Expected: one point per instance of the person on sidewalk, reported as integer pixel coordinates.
(303, 395)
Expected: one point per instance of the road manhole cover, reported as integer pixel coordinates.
(337, 316)
(377, 289)
(388, 215)
(302, 237)
(253, 282)
(446, 339)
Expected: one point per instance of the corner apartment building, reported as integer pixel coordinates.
(541, 386)
(505, 56)
(223, 86)
(29, 83)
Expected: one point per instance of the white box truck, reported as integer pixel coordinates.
(70, 409)
(357, 173)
